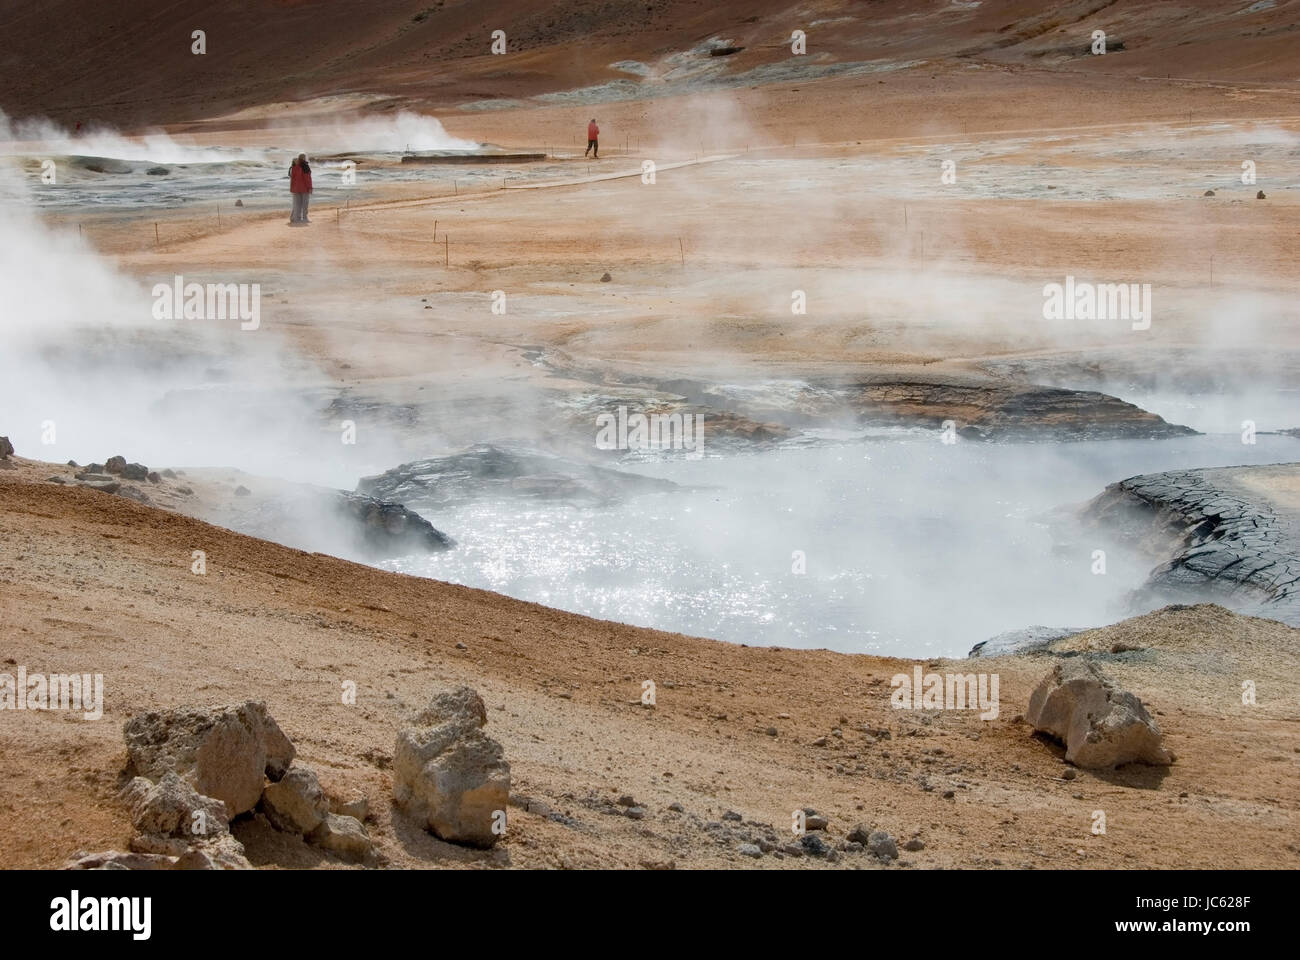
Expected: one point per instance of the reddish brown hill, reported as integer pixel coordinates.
(131, 64)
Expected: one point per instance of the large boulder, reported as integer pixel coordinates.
(1100, 725)
(226, 752)
(6, 448)
(448, 773)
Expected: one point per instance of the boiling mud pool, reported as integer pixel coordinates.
(912, 548)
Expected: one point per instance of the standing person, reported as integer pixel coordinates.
(300, 187)
(593, 135)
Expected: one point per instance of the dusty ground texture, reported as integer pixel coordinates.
(97, 583)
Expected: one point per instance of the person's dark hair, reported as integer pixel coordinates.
(306, 167)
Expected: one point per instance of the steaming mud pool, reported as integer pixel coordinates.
(898, 546)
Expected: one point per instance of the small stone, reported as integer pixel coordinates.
(636, 813)
(539, 808)
(676, 807)
(239, 203)
(792, 850)
(819, 742)
(295, 803)
(343, 836)
(605, 278)
(733, 816)
(852, 846)
(816, 822)
(1260, 196)
(242, 491)
(461, 646)
(1069, 773)
(813, 845)
(913, 845)
(358, 807)
(749, 850)
(767, 846)
(626, 801)
(118, 860)
(1208, 193)
(882, 845)
(861, 833)
(771, 731)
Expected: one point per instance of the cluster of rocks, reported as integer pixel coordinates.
(1225, 540)
(449, 775)
(756, 840)
(816, 840)
(117, 476)
(195, 770)
(1101, 726)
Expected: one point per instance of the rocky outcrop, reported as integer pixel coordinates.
(390, 528)
(983, 406)
(1026, 640)
(6, 448)
(450, 775)
(1223, 540)
(998, 412)
(225, 752)
(197, 769)
(1101, 726)
(485, 471)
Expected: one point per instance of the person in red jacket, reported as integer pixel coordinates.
(593, 144)
(300, 188)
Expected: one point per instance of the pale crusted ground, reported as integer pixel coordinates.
(96, 583)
